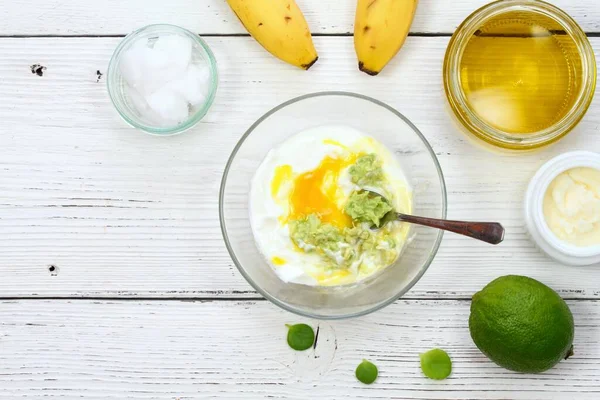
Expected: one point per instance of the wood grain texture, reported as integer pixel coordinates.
(237, 350)
(121, 213)
(117, 17)
(92, 208)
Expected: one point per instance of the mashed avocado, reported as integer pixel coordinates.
(357, 247)
(342, 247)
(310, 233)
(366, 171)
(362, 207)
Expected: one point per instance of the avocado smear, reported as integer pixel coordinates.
(362, 207)
(366, 171)
(309, 233)
(342, 247)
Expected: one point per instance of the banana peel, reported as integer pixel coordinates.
(280, 27)
(380, 30)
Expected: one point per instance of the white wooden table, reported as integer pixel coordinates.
(115, 280)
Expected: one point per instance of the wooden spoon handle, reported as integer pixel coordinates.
(489, 232)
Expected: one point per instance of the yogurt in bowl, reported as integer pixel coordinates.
(310, 220)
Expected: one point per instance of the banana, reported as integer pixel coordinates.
(280, 27)
(380, 29)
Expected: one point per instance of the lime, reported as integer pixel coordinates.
(521, 324)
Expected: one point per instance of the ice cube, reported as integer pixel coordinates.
(155, 60)
(161, 79)
(177, 49)
(140, 106)
(193, 85)
(131, 63)
(137, 101)
(169, 106)
(157, 72)
(147, 69)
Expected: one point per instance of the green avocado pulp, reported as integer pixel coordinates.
(367, 171)
(356, 245)
(362, 207)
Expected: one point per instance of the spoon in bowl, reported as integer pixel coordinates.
(489, 232)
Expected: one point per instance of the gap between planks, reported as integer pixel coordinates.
(343, 34)
(207, 299)
(346, 34)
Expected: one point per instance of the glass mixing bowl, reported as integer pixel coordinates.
(375, 119)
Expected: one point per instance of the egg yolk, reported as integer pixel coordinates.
(334, 278)
(316, 191)
(278, 261)
(335, 143)
(283, 173)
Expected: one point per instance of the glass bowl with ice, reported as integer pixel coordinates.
(162, 79)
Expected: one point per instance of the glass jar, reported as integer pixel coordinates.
(519, 74)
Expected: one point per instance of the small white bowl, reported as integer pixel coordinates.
(546, 240)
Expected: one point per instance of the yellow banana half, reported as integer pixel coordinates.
(380, 29)
(279, 26)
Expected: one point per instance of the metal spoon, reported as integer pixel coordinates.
(489, 232)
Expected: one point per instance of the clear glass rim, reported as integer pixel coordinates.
(193, 119)
(282, 304)
(470, 120)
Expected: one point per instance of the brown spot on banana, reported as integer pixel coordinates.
(361, 66)
(371, 3)
(287, 19)
(310, 64)
(366, 29)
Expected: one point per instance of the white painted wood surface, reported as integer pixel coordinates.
(120, 214)
(237, 350)
(115, 17)
(124, 213)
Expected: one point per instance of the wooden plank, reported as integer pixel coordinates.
(121, 213)
(206, 350)
(116, 17)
